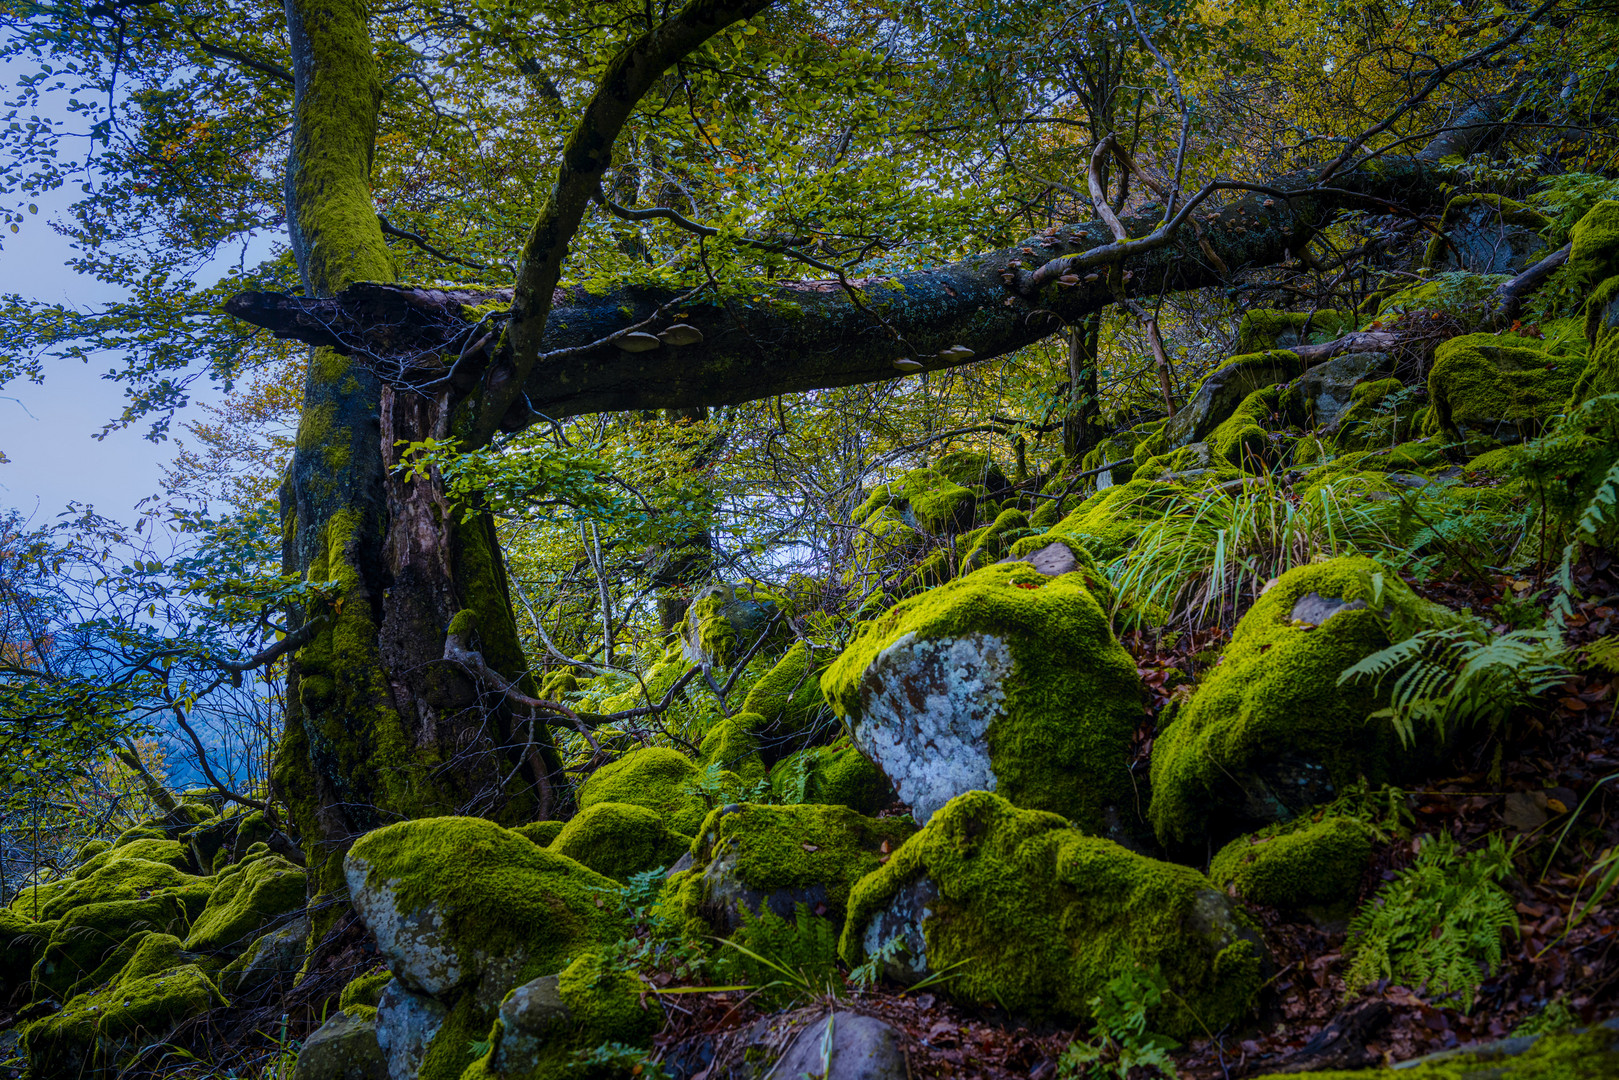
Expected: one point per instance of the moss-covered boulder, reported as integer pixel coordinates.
(94, 1033)
(777, 857)
(1221, 393)
(838, 774)
(1298, 864)
(116, 878)
(1499, 385)
(541, 832)
(22, 943)
(618, 840)
(1321, 396)
(971, 469)
(1107, 523)
(1269, 732)
(1004, 680)
(1029, 913)
(1244, 438)
(545, 1023)
(461, 904)
(725, 621)
(659, 778)
(153, 830)
(735, 745)
(1377, 416)
(788, 699)
(362, 993)
(981, 547)
(89, 944)
(247, 898)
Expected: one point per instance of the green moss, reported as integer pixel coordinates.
(991, 543)
(1490, 382)
(605, 1000)
(1601, 375)
(1497, 462)
(1588, 1055)
(838, 774)
(1060, 737)
(168, 852)
(1031, 914)
(788, 696)
(1297, 864)
(620, 839)
(115, 879)
(937, 504)
(91, 943)
(1107, 523)
(1363, 425)
(725, 621)
(1269, 730)
(364, 991)
(733, 743)
(450, 1051)
(22, 943)
(92, 849)
(656, 777)
(95, 1032)
(503, 909)
(1263, 329)
(140, 832)
(246, 899)
(1594, 245)
(969, 468)
(541, 832)
(1242, 438)
(751, 855)
(883, 535)
(155, 954)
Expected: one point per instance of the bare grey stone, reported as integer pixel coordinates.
(844, 1046)
(345, 1048)
(1314, 609)
(1053, 560)
(1328, 389)
(529, 1018)
(406, 1023)
(926, 707)
(901, 921)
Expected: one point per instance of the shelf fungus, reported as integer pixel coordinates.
(638, 342)
(681, 334)
(956, 354)
(907, 365)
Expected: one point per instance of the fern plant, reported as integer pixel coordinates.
(1438, 924)
(1120, 1042)
(1460, 676)
(789, 961)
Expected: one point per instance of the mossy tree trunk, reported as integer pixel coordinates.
(380, 725)
(1081, 422)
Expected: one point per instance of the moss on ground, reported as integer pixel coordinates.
(1031, 914)
(96, 1032)
(1588, 1055)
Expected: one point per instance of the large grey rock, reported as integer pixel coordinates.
(345, 1048)
(748, 616)
(844, 1046)
(1327, 389)
(1480, 242)
(406, 1022)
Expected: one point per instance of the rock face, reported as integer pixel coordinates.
(344, 1048)
(1030, 913)
(1218, 396)
(1003, 680)
(1326, 390)
(1270, 732)
(773, 858)
(724, 621)
(845, 1046)
(1487, 234)
(247, 897)
(406, 1024)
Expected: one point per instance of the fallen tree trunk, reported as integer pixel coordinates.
(810, 335)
